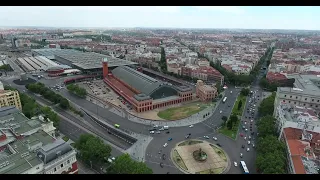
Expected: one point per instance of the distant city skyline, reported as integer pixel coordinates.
(229, 17)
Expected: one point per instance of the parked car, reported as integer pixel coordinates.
(216, 139)
(191, 126)
(151, 132)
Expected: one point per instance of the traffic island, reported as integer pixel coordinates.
(199, 157)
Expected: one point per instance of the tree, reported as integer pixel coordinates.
(266, 126)
(125, 165)
(229, 124)
(245, 91)
(270, 143)
(64, 103)
(267, 105)
(239, 105)
(233, 118)
(269, 163)
(92, 148)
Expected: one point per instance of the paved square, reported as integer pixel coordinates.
(213, 160)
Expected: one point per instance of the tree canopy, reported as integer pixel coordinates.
(245, 91)
(267, 105)
(92, 148)
(125, 165)
(77, 90)
(266, 126)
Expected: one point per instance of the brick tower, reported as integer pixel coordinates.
(105, 67)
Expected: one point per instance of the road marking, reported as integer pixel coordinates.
(162, 164)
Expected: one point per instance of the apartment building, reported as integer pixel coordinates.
(28, 146)
(305, 93)
(205, 92)
(10, 98)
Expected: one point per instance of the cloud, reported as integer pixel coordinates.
(224, 9)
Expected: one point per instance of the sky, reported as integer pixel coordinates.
(242, 17)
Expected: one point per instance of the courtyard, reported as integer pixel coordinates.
(215, 160)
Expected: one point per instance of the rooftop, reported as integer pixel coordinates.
(84, 60)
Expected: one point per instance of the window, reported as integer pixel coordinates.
(68, 161)
(285, 95)
(55, 169)
(284, 100)
(305, 98)
(317, 100)
(290, 96)
(310, 105)
(61, 165)
(316, 105)
(295, 102)
(312, 99)
(296, 97)
(304, 104)
(289, 101)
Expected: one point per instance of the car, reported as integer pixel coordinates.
(207, 137)
(220, 112)
(170, 139)
(241, 155)
(113, 158)
(151, 132)
(243, 146)
(228, 105)
(218, 144)
(253, 145)
(167, 132)
(165, 145)
(158, 132)
(216, 139)
(160, 151)
(249, 137)
(252, 133)
(243, 127)
(241, 134)
(248, 149)
(251, 120)
(235, 164)
(246, 130)
(245, 122)
(230, 92)
(191, 126)
(249, 142)
(161, 129)
(155, 126)
(245, 138)
(187, 136)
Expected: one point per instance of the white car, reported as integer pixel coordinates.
(230, 92)
(165, 145)
(245, 138)
(251, 120)
(158, 132)
(248, 149)
(151, 132)
(246, 130)
(220, 112)
(207, 137)
(191, 126)
(253, 145)
(216, 139)
(249, 142)
(241, 155)
(235, 164)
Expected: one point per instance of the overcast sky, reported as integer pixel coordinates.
(245, 17)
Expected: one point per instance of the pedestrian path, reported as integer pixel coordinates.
(138, 149)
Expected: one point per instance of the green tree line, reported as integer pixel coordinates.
(271, 153)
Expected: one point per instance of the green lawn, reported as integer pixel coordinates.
(233, 132)
(181, 112)
(177, 158)
(235, 107)
(65, 138)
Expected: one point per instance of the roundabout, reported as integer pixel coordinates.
(199, 157)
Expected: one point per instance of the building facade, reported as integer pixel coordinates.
(205, 92)
(10, 98)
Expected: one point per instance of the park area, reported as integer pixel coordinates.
(199, 157)
(184, 111)
(232, 133)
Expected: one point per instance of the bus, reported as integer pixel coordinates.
(244, 167)
(224, 99)
(116, 125)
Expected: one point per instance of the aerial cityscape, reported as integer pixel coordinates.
(159, 90)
